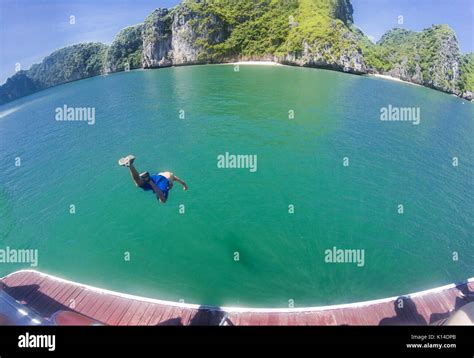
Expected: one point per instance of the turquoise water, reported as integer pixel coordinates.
(190, 256)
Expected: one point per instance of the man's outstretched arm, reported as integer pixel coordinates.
(185, 187)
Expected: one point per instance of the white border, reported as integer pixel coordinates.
(244, 309)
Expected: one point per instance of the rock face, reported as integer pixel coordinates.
(346, 55)
(324, 56)
(189, 33)
(64, 65)
(125, 52)
(343, 11)
(17, 86)
(180, 37)
(443, 70)
(157, 39)
(403, 71)
(430, 57)
(192, 35)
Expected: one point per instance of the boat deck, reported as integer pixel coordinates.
(45, 295)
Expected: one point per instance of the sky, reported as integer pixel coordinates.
(32, 29)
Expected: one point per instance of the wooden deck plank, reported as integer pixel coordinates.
(234, 319)
(39, 299)
(26, 289)
(366, 316)
(174, 317)
(327, 318)
(166, 315)
(30, 296)
(448, 300)
(76, 298)
(380, 312)
(89, 298)
(19, 279)
(292, 321)
(274, 319)
(62, 296)
(147, 315)
(258, 319)
(425, 308)
(434, 305)
(438, 302)
(60, 302)
(338, 316)
(245, 318)
(300, 319)
(137, 316)
(157, 314)
(283, 319)
(112, 315)
(100, 305)
(47, 290)
(95, 302)
(129, 313)
(371, 316)
(49, 300)
(66, 299)
(187, 316)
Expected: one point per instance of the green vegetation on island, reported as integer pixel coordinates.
(466, 80)
(64, 65)
(430, 57)
(125, 52)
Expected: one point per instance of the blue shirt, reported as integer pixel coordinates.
(160, 181)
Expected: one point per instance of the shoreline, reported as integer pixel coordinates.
(395, 79)
(244, 63)
(260, 63)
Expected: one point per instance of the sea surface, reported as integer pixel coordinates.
(330, 174)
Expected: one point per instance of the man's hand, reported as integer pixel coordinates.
(159, 194)
(185, 187)
(161, 197)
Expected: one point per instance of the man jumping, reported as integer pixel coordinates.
(160, 183)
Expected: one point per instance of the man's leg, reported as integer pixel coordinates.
(135, 176)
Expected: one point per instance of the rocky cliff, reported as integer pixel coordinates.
(430, 57)
(157, 39)
(126, 50)
(305, 33)
(64, 65)
(315, 33)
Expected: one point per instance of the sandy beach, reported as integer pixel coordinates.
(387, 77)
(261, 63)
